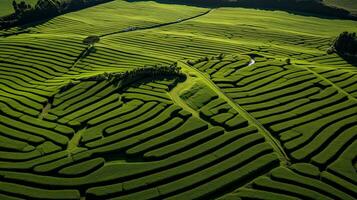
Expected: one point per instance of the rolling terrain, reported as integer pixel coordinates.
(177, 102)
(349, 5)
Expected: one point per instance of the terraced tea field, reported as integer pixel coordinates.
(177, 102)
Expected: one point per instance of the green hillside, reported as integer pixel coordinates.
(349, 5)
(177, 102)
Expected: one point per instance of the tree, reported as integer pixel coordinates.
(91, 40)
(15, 6)
(345, 44)
(21, 7)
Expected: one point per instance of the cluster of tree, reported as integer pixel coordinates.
(122, 79)
(126, 77)
(44, 9)
(21, 7)
(345, 44)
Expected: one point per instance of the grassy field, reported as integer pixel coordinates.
(6, 6)
(263, 112)
(349, 5)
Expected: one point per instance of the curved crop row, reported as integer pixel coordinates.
(308, 109)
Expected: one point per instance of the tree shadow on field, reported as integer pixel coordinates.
(352, 60)
(34, 23)
(320, 11)
(25, 28)
(20, 29)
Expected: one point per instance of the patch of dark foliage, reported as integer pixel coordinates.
(44, 9)
(345, 45)
(122, 79)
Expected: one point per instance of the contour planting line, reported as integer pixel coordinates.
(330, 82)
(269, 138)
(87, 49)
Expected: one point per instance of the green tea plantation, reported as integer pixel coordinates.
(145, 100)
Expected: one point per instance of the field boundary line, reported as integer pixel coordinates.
(269, 138)
(157, 25)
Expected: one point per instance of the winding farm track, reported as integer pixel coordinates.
(85, 51)
(174, 94)
(157, 25)
(269, 138)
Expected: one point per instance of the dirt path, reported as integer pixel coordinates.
(45, 110)
(251, 62)
(175, 95)
(74, 141)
